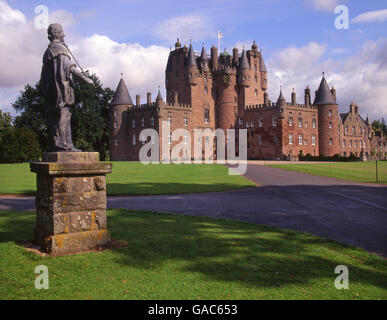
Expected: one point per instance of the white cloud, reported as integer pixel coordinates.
(360, 78)
(325, 5)
(22, 47)
(188, 27)
(371, 16)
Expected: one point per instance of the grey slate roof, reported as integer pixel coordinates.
(281, 96)
(191, 62)
(121, 97)
(324, 94)
(203, 56)
(159, 97)
(244, 63)
(262, 66)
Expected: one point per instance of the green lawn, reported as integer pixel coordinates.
(182, 257)
(133, 178)
(353, 171)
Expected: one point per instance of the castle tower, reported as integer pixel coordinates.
(119, 123)
(328, 120)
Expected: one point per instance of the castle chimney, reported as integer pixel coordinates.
(214, 57)
(176, 98)
(356, 108)
(307, 96)
(293, 98)
(266, 99)
(138, 100)
(352, 107)
(333, 91)
(235, 56)
(149, 98)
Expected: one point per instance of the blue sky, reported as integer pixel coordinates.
(298, 38)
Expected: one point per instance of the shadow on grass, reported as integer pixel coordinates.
(231, 251)
(222, 250)
(156, 188)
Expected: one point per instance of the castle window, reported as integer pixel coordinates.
(134, 139)
(142, 122)
(290, 138)
(205, 90)
(205, 78)
(133, 123)
(255, 78)
(169, 120)
(290, 122)
(169, 138)
(306, 124)
(274, 122)
(353, 130)
(256, 92)
(355, 143)
(344, 143)
(190, 76)
(314, 123)
(260, 139)
(116, 124)
(305, 142)
(313, 139)
(330, 113)
(330, 124)
(206, 116)
(185, 121)
(152, 121)
(350, 143)
(330, 141)
(115, 114)
(115, 142)
(260, 123)
(300, 122)
(300, 139)
(252, 124)
(360, 130)
(346, 130)
(185, 138)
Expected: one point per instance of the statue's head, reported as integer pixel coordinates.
(55, 31)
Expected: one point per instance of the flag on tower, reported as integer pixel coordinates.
(220, 35)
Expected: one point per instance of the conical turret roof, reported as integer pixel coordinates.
(244, 63)
(262, 66)
(159, 97)
(203, 56)
(281, 96)
(121, 96)
(191, 62)
(324, 94)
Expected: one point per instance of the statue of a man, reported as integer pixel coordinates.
(58, 87)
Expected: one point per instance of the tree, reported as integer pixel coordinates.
(90, 115)
(17, 144)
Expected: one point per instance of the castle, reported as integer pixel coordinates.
(230, 92)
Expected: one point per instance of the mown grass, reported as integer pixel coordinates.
(352, 171)
(133, 178)
(182, 257)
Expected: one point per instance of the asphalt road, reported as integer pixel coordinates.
(348, 212)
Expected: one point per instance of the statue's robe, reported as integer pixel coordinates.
(58, 87)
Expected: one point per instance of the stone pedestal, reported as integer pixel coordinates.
(71, 202)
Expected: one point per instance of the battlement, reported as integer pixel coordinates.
(255, 107)
(179, 105)
(143, 107)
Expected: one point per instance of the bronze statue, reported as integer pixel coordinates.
(58, 88)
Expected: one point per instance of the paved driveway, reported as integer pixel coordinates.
(352, 213)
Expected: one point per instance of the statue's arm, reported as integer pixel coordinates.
(80, 75)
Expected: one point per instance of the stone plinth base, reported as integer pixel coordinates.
(71, 202)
